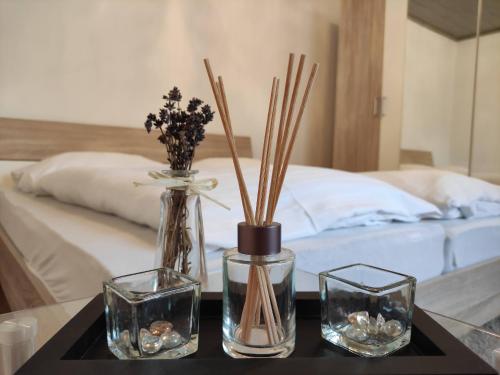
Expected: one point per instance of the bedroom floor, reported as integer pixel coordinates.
(4, 307)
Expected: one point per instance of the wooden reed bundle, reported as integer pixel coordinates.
(260, 299)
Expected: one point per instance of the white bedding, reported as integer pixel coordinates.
(414, 249)
(72, 249)
(456, 195)
(471, 241)
(312, 199)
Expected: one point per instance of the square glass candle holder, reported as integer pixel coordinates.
(152, 314)
(366, 310)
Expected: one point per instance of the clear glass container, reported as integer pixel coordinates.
(251, 327)
(152, 314)
(181, 241)
(366, 310)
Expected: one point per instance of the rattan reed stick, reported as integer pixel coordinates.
(258, 307)
(296, 127)
(251, 293)
(266, 154)
(260, 296)
(255, 273)
(268, 313)
(274, 303)
(291, 109)
(243, 187)
(223, 115)
(223, 111)
(281, 149)
(284, 104)
(253, 285)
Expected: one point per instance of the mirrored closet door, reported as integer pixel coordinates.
(451, 105)
(439, 84)
(485, 145)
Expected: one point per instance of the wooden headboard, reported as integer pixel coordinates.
(35, 140)
(416, 157)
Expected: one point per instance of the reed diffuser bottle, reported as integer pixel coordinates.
(259, 295)
(259, 288)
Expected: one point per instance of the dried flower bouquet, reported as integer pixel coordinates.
(181, 131)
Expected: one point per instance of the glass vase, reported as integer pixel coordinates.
(258, 303)
(180, 241)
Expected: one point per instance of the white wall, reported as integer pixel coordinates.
(110, 61)
(428, 92)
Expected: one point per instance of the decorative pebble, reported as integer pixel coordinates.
(380, 321)
(363, 319)
(359, 319)
(143, 332)
(352, 317)
(125, 337)
(372, 328)
(356, 333)
(392, 328)
(171, 339)
(150, 344)
(160, 327)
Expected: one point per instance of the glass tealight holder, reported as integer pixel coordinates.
(366, 310)
(152, 315)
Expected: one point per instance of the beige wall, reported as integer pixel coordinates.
(462, 103)
(110, 61)
(486, 145)
(438, 98)
(429, 92)
(393, 83)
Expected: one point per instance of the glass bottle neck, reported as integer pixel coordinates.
(188, 175)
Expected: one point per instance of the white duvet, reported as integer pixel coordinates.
(456, 195)
(312, 200)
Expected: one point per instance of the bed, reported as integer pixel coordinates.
(83, 242)
(87, 243)
(29, 140)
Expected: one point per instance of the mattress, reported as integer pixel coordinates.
(413, 249)
(470, 241)
(73, 249)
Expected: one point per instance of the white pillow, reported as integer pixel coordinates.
(27, 178)
(332, 198)
(455, 194)
(312, 200)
